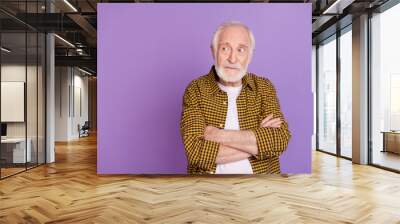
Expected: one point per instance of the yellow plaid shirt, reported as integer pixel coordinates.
(204, 103)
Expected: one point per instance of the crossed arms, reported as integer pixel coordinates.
(207, 146)
(237, 145)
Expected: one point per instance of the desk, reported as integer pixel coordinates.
(391, 141)
(13, 150)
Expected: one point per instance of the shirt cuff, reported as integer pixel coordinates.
(265, 143)
(209, 154)
(261, 142)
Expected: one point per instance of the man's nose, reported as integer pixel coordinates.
(232, 57)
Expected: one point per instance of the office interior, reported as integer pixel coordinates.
(49, 83)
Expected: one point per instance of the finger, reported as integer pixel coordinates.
(268, 123)
(272, 124)
(267, 118)
(276, 126)
(276, 122)
(265, 121)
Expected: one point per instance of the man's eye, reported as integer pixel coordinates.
(241, 50)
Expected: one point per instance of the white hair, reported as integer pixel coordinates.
(214, 42)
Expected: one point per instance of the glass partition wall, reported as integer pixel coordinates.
(345, 62)
(334, 90)
(385, 89)
(22, 88)
(327, 95)
(334, 84)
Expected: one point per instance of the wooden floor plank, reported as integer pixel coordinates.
(70, 191)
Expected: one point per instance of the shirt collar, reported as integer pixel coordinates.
(213, 79)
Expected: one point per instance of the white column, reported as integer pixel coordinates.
(360, 90)
(50, 92)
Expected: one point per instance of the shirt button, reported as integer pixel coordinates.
(221, 125)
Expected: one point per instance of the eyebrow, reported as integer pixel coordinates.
(243, 45)
(240, 45)
(222, 43)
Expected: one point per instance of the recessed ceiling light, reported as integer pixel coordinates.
(5, 50)
(84, 71)
(338, 6)
(64, 40)
(70, 5)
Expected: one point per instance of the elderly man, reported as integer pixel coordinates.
(231, 120)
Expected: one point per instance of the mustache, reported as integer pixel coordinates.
(234, 66)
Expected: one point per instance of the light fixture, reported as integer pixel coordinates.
(70, 5)
(337, 7)
(79, 51)
(326, 11)
(64, 40)
(5, 50)
(84, 71)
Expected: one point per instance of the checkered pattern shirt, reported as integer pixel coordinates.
(204, 104)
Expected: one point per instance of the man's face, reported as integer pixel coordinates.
(233, 53)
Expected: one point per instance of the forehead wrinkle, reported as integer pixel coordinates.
(238, 29)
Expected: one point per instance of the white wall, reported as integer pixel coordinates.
(79, 110)
(62, 81)
(71, 93)
(16, 72)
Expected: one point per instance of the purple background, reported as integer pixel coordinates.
(147, 55)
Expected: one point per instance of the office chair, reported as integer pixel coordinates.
(84, 130)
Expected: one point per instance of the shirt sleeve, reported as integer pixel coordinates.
(271, 141)
(200, 153)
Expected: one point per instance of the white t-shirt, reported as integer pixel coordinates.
(232, 123)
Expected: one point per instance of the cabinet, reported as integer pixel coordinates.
(391, 141)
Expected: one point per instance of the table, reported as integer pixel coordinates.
(13, 150)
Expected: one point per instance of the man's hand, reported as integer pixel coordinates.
(227, 154)
(270, 122)
(240, 140)
(212, 134)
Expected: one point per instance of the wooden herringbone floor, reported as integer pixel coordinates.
(70, 191)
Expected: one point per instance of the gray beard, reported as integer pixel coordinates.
(227, 78)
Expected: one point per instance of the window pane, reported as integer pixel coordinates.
(386, 88)
(346, 94)
(327, 96)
